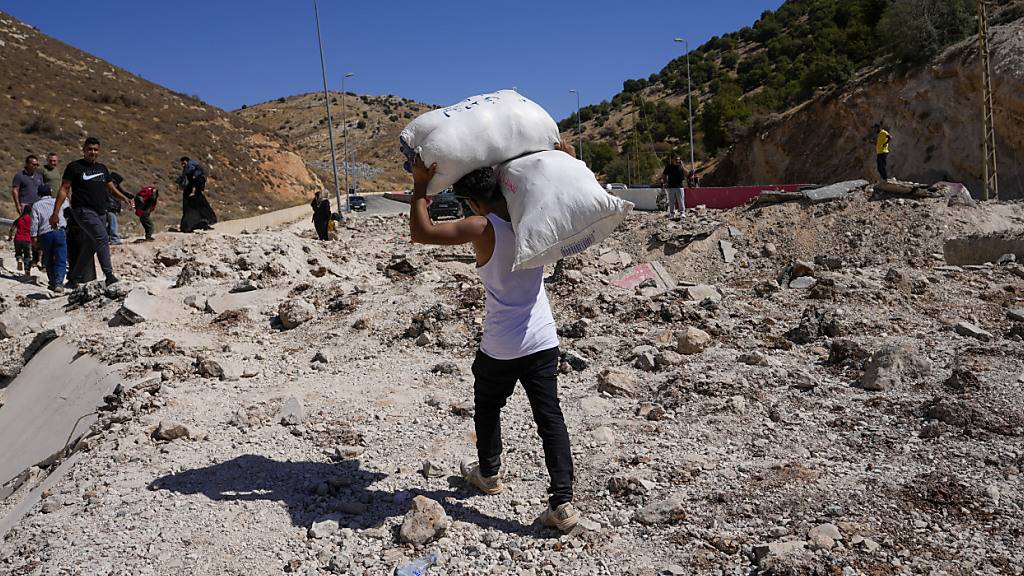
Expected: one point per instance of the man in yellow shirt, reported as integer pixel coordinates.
(882, 149)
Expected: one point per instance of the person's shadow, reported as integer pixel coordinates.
(315, 491)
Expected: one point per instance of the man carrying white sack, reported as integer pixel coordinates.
(519, 340)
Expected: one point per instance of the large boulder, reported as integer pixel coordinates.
(295, 312)
(893, 365)
(424, 522)
(615, 382)
(692, 341)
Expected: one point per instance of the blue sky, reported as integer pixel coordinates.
(233, 52)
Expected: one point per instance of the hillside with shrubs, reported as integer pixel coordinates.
(740, 80)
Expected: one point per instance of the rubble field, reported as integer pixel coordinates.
(800, 389)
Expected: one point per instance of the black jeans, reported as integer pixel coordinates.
(495, 380)
(94, 228)
(147, 224)
(883, 166)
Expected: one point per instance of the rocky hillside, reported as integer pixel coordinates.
(374, 123)
(56, 95)
(935, 113)
(745, 79)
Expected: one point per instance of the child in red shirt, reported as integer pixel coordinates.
(21, 231)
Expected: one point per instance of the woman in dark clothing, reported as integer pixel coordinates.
(321, 215)
(196, 212)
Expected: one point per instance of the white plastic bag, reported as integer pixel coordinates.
(557, 207)
(484, 130)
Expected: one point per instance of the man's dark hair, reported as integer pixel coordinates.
(30, 158)
(51, 154)
(185, 159)
(45, 190)
(90, 141)
(480, 185)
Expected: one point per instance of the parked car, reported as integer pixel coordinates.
(444, 205)
(615, 186)
(357, 203)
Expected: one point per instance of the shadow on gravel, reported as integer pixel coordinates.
(315, 491)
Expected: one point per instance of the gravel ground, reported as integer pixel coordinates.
(870, 424)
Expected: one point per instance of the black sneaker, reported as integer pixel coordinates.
(112, 280)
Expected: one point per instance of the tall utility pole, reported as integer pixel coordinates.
(689, 98)
(327, 102)
(988, 142)
(344, 129)
(579, 123)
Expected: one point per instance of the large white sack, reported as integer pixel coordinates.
(557, 207)
(484, 130)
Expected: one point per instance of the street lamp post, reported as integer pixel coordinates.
(327, 102)
(344, 128)
(689, 98)
(579, 123)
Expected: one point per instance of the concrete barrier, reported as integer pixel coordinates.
(49, 405)
(264, 221)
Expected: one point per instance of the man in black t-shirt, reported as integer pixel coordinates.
(89, 184)
(672, 180)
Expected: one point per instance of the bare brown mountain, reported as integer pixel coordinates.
(55, 95)
(374, 124)
(934, 112)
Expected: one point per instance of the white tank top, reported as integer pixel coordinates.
(519, 320)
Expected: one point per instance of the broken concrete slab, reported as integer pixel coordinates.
(43, 407)
(899, 188)
(777, 197)
(836, 191)
(233, 301)
(138, 306)
(973, 331)
(728, 252)
(1015, 314)
(702, 292)
(632, 278)
(802, 283)
(983, 248)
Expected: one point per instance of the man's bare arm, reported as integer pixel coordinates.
(17, 203)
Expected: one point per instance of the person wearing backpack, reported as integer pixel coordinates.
(145, 203)
(519, 341)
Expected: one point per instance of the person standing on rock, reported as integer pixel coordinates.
(89, 185)
(882, 142)
(196, 212)
(672, 180)
(321, 215)
(519, 340)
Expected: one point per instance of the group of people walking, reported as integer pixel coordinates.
(68, 220)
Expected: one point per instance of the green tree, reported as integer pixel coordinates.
(598, 155)
(722, 117)
(916, 30)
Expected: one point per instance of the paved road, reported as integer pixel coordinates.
(377, 204)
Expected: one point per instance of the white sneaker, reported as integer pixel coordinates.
(489, 485)
(564, 518)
